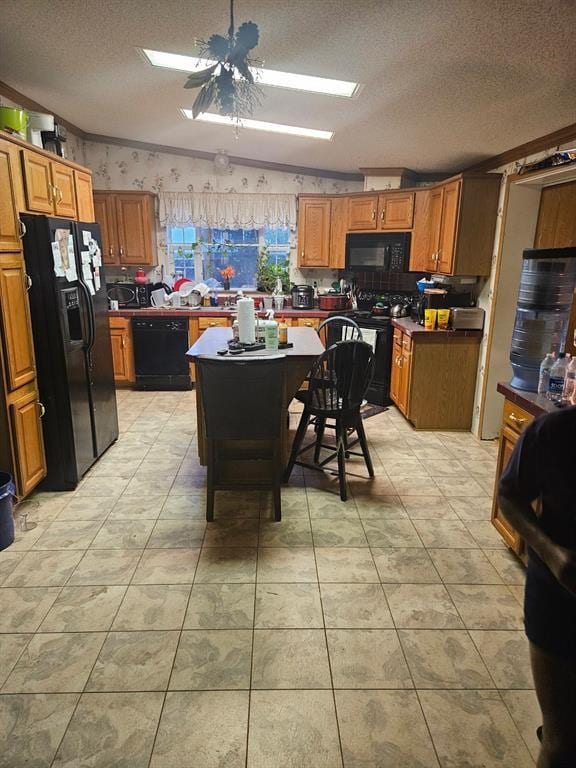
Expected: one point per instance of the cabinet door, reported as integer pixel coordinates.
(450, 205)
(122, 356)
(420, 242)
(84, 199)
(105, 216)
(362, 212)
(435, 224)
(404, 384)
(508, 440)
(15, 322)
(314, 232)
(38, 182)
(28, 442)
(395, 375)
(396, 211)
(338, 226)
(135, 223)
(9, 178)
(64, 190)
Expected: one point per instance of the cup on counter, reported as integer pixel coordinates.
(268, 301)
(430, 319)
(114, 305)
(279, 302)
(443, 319)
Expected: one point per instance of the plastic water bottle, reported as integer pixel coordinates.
(557, 376)
(545, 368)
(569, 393)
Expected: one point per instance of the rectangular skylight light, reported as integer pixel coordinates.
(261, 125)
(263, 76)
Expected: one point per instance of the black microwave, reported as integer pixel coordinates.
(382, 251)
(130, 295)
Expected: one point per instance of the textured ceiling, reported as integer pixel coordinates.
(447, 83)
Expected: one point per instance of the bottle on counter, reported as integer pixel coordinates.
(545, 368)
(557, 376)
(271, 335)
(569, 393)
(282, 332)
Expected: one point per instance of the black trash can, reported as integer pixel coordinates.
(7, 492)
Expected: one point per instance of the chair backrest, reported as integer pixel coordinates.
(242, 399)
(340, 328)
(340, 376)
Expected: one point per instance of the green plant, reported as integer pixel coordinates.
(268, 272)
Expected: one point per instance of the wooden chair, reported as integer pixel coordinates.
(338, 380)
(243, 401)
(339, 328)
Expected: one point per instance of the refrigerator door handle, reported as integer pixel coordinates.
(91, 319)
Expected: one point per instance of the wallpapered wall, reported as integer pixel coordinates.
(121, 167)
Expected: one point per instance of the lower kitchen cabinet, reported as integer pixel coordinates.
(433, 377)
(29, 461)
(514, 420)
(122, 350)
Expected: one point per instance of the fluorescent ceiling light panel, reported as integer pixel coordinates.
(260, 125)
(263, 76)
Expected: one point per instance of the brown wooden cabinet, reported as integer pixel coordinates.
(29, 459)
(448, 227)
(314, 222)
(122, 350)
(10, 186)
(38, 182)
(128, 227)
(434, 377)
(514, 420)
(15, 326)
(64, 190)
(396, 211)
(84, 198)
(419, 249)
(362, 212)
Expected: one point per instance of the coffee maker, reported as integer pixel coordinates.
(53, 141)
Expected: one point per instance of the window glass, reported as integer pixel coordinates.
(220, 248)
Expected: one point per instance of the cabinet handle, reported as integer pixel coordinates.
(517, 419)
(123, 341)
(121, 250)
(373, 215)
(60, 195)
(42, 408)
(28, 281)
(302, 254)
(383, 214)
(111, 251)
(405, 344)
(51, 189)
(212, 325)
(22, 229)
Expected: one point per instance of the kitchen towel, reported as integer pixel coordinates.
(246, 322)
(369, 336)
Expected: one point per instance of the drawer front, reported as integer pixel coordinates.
(121, 323)
(515, 417)
(212, 322)
(406, 342)
(308, 322)
(397, 336)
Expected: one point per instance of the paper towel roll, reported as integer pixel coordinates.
(246, 325)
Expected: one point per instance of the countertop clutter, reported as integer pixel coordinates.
(211, 312)
(411, 329)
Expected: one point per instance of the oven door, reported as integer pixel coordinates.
(381, 339)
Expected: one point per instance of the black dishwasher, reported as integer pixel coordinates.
(160, 346)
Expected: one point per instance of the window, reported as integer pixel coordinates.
(199, 253)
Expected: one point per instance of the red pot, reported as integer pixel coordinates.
(333, 302)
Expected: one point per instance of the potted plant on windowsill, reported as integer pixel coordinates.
(268, 273)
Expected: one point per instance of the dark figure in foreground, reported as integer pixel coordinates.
(542, 469)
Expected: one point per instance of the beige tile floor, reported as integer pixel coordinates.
(383, 632)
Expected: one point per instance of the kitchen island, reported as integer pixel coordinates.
(299, 359)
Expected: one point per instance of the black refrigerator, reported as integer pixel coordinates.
(69, 309)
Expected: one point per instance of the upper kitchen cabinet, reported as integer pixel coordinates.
(462, 224)
(128, 227)
(55, 188)
(395, 211)
(362, 212)
(314, 223)
(10, 202)
(84, 199)
(419, 248)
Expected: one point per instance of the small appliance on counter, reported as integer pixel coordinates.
(130, 295)
(38, 122)
(302, 297)
(467, 318)
(438, 299)
(54, 140)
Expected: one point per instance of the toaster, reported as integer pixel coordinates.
(467, 318)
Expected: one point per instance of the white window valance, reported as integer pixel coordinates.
(227, 210)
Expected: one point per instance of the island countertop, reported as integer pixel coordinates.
(306, 343)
